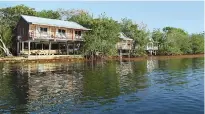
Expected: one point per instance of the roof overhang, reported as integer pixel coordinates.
(85, 29)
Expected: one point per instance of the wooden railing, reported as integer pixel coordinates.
(125, 46)
(151, 48)
(58, 36)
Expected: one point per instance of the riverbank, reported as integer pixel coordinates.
(72, 58)
(157, 57)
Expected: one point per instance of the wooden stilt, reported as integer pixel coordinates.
(17, 50)
(66, 48)
(29, 48)
(22, 46)
(129, 53)
(120, 53)
(73, 48)
(42, 46)
(59, 48)
(49, 52)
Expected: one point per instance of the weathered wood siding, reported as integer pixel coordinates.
(22, 29)
(51, 31)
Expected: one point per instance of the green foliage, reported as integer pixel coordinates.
(83, 18)
(6, 35)
(197, 43)
(138, 33)
(103, 37)
(11, 15)
(158, 36)
(172, 41)
(104, 32)
(48, 14)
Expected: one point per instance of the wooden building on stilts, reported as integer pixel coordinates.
(124, 45)
(151, 47)
(43, 36)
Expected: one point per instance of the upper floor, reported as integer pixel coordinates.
(124, 43)
(151, 45)
(36, 28)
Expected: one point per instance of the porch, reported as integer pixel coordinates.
(48, 47)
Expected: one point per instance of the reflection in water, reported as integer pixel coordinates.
(152, 64)
(103, 87)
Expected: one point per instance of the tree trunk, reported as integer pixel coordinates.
(133, 47)
(5, 49)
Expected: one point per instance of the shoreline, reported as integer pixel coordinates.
(78, 59)
(161, 57)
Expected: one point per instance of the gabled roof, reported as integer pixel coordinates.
(123, 36)
(53, 22)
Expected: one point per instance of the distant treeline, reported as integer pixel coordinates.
(104, 33)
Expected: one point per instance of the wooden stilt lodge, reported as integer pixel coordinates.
(124, 45)
(152, 47)
(43, 36)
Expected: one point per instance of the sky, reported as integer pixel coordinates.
(188, 15)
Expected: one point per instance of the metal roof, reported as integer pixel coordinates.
(53, 22)
(124, 37)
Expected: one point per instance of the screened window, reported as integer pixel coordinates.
(78, 33)
(61, 31)
(43, 29)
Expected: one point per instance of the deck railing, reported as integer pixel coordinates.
(58, 36)
(124, 46)
(151, 48)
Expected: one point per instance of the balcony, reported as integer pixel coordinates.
(151, 48)
(124, 46)
(58, 36)
(78, 37)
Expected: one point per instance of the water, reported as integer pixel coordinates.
(173, 86)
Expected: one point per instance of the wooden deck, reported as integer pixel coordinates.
(35, 57)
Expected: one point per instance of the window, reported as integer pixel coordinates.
(43, 29)
(78, 33)
(61, 31)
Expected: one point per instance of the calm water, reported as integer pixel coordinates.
(172, 86)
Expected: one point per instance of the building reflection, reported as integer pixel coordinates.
(49, 83)
(42, 84)
(39, 86)
(152, 64)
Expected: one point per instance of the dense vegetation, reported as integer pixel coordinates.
(103, 36)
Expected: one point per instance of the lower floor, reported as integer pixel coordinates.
(49, 48)
(152, 52)
(123, 52)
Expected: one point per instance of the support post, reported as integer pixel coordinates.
(66, 48)
(49, 51)
(29, 47)
(18, 50)
(59, 48)
(42, 46)
(129, 53)
(22, 46)
(73, 48)
(120, 53)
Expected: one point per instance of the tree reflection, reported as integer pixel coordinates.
(55, 85)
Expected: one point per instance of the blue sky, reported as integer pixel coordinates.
(186, 15)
